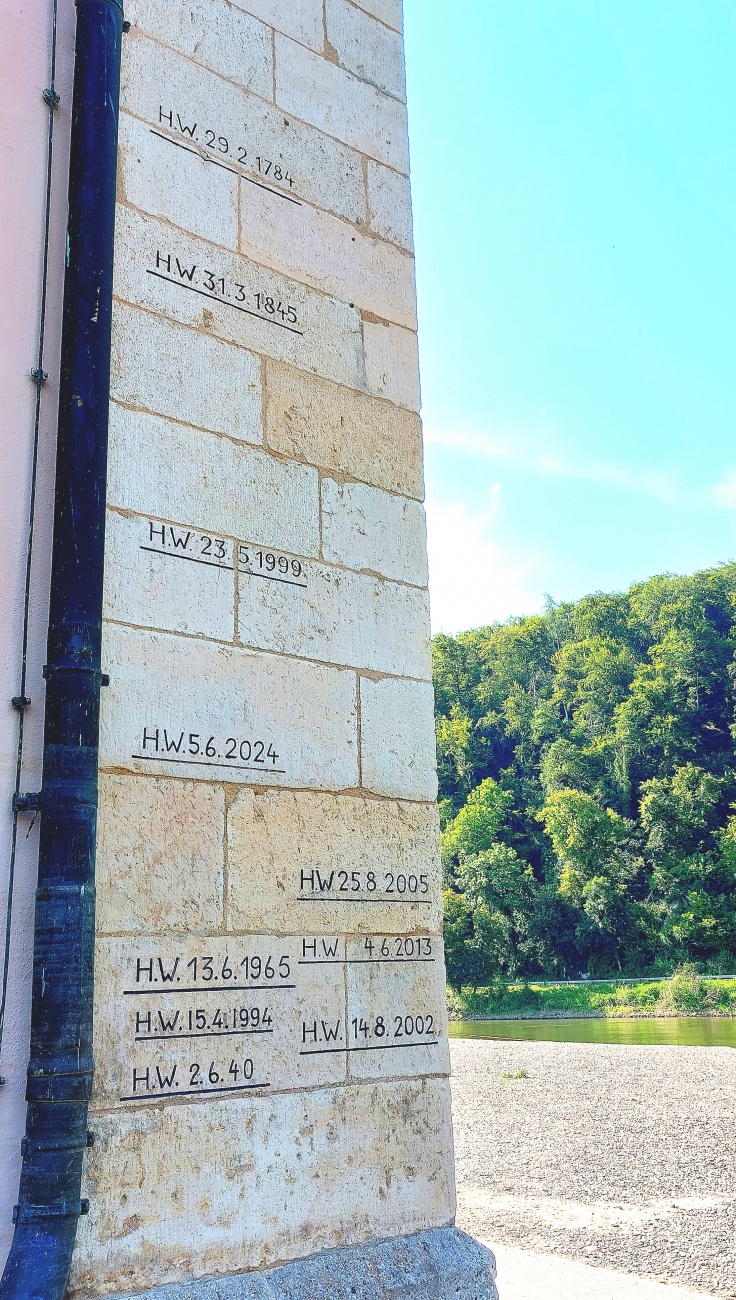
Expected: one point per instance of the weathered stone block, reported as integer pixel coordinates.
(372, 51)
(440, 1264)
(389, 11)
(185, 374)
(392, 364)
(397, 1023)
(368, 529)
(389, 205)
(178, 185)
(196, 284)
(181, 707)
(152, 583)
(311, 862)
(244, 1183)
(328, 254)
(338, 429)
(301, 19)
(221, 37)
(340, 104)
(397, 738)
(216, 1017)
(160, 855)
(192, 107)
(172, 472)
(335, 616)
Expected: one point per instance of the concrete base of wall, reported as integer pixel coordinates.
(443, 1264)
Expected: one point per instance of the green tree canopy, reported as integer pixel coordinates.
(587, 772)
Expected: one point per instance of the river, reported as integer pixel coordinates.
(677, 1031)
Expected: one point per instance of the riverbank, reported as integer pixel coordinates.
(686, 993)
(619, 1157)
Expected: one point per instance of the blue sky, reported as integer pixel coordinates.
(574, 179)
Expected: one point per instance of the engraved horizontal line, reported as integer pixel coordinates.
(209, 1033)
(193, 559)
(297, 1090)
(210, 988)
(194, 1092)
(206, 158)
(195, 762)
(272, 578)
(267, 320)
(212, 564)
(326, 898)
(365, 961)
(382, 1047)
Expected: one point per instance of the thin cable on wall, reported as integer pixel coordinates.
(38, 375)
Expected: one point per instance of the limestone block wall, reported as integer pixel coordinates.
(270, 1030)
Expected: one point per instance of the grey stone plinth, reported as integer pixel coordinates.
(443, 1264)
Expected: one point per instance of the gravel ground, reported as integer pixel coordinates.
(624, 1157)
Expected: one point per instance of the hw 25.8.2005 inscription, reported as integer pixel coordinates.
(196, 749)
(363, 886)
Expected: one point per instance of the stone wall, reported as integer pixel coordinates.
(270, 1028)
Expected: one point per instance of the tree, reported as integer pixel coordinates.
(692, 860)
(499, 890)
(591, 845)
(596, 742)
(477, 825)
(465, 961)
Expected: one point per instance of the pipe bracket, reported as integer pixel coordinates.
(29, 1146)
(48, 671)
(30, 802)
(24, 1213)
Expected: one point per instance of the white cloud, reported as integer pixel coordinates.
(473, 580)
(521, 453)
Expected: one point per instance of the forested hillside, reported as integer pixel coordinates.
(587, 769)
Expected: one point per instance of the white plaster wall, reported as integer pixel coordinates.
(25, 37)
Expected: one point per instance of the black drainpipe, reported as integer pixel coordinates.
(60, 1067)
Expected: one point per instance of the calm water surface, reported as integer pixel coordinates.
(679, 1031)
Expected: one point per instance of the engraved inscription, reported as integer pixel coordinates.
(196, 749)
(392, 1025)
(227, 151)
(262, 305)
(193, 1078)
(362, 886)
(217, 1016)
(185, 543)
